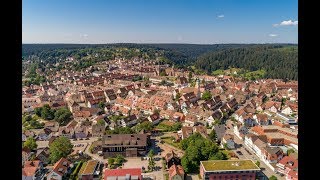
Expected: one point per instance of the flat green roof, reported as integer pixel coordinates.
(229, 165)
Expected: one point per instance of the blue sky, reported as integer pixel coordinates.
(160, 21)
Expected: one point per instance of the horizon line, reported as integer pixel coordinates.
(159, 43)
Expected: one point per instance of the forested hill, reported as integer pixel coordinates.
(279, 61)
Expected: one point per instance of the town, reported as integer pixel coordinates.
(132, 118)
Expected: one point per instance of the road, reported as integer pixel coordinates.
(265, 169)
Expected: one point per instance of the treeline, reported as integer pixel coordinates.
(279, 61)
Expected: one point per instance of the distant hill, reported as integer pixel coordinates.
(279, 61)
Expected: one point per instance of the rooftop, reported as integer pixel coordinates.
(89, 168)
(229, 165)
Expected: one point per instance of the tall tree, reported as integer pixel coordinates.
(60, 147)
(30, 143)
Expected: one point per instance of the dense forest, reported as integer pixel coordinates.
(277, 60)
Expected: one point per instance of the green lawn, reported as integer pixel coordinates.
(168, 140)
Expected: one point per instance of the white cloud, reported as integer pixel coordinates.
(287, 23)
(273, 35)
(220, 16)
(180, 38)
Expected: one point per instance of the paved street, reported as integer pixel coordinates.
(265, 169)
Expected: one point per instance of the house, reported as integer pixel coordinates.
(190, 120)
(181, 81)
(176, 172)
(32, 170)
(220, 130)
(42, 154)
(272, 106)
(178, 117)
(73, 106)
(117, 174)
(43, 134)
(272, 155)
(287, 110)
(225, 108)
(52, 125)
(26, 154)
(82, 131)
(188, 131)
(89, 170)
(66, 131)
(233, 104)
(261, 119)
(288, 166)
(110, 95)
(191, 97)
(240, 131)
(129, 121)
(256, 143)
(60, 169)
(154, 118)
(172, 159)
(228, 141)
(98, 130)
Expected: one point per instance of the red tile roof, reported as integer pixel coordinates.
(175, 170)
(61, 166)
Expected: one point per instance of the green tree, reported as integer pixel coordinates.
(30, 143)
(190, 77)
(151, 153)
(63, 116)
(162, 73)
(206, 95)
(289, 151)
(101, 105)
(110, 161)
(258, 163)
(273, 178)
(146, 125)
(119, 159)
(60, 147)
(101, 122)
(178, 95)
(197, 149)
(218, 156)
(45, 112)
(213, 135)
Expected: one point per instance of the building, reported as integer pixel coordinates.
(277, 136)
(89, 170)
(60, 169)
(172, 159)
(128, 145)
(288, 166)
(229, 169)
(32, 170)
(176, 172)
(123, 174)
